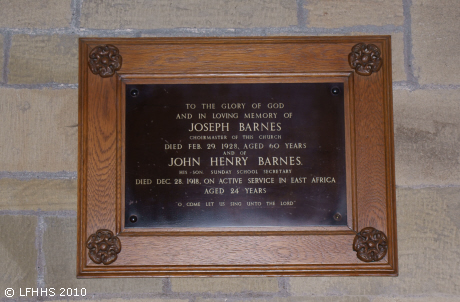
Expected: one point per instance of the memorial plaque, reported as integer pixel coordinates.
(219, 155)
(236, 157)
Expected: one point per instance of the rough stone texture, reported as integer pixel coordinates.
(38, 194)
(427, 137)
(143, 14)
(131, 300)
(428, 236)
(418, 299)
(38, 130)
(224, 285)
(18, 252)
(339, 13)
(296, 299)
(35, 14)
(397, 57)
(43, 59)
(1, 58)
(435, 42)
(59, 244)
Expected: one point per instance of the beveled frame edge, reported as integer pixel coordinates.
(391, 231)
(369, 39)
(248, 271)
(389, 268)
(81, 179)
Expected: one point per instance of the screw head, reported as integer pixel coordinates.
(134, 92)
(337, 217)
(133, 218)
(335, 90)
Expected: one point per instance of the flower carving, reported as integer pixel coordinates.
(103, 247)
(370, 244)
(365, 59)
(104, 60)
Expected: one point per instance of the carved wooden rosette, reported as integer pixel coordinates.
(365, 59)
(103, 247)
(105, 60)
(370, 244)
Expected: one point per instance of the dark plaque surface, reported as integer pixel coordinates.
(232, 155)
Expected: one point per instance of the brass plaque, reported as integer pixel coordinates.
(235, 155)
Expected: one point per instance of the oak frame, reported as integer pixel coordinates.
(282, 251)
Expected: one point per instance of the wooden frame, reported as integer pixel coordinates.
(367, 245)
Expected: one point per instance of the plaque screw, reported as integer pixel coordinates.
(133, 218)
(337, 217)
(335, 90)
(134, 92)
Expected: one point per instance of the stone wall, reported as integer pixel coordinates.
(38, 140)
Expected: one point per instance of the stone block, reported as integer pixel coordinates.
(129, 300)
(40, 14)
(1, 58)
(38, 194)
(397, 57)
(418, 299)
(143, 14)
(337, 13)
(59, 245)
(224, 285)
(18, 253)
(428, 236)
(43, 59)
(427, 137)
(296, 299)
(38, 130)
(435, 41)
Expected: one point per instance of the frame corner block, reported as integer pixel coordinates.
(370, 245)
(105, 60)
(365, 59)
(103, 247)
